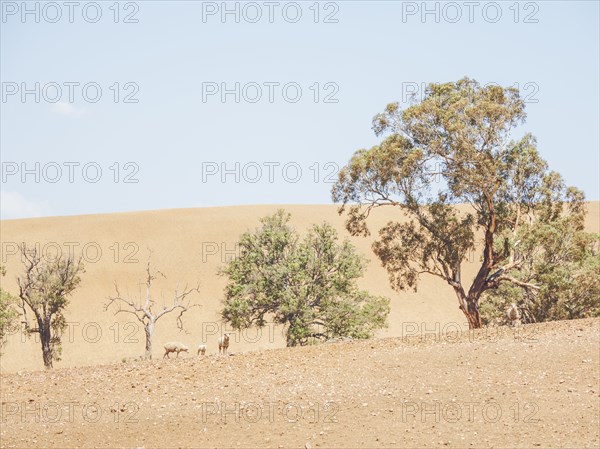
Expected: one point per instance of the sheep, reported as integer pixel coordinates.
(223, 343)
(513, 314)
(174, 347)
(201, 349)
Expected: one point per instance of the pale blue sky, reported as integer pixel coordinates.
(171, 136)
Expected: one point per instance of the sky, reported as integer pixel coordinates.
(112, 107)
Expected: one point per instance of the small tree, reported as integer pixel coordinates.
(144, 308)
(458, 134)
(565, 262)
(7, 312)
(44, 289)
(308, 286)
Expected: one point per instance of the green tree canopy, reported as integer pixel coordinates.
(309, 285)
(459, 133)
(8, 313)
(565, 262)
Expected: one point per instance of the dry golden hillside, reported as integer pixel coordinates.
(188, 246)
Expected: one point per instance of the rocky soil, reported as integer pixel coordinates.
(533, 386)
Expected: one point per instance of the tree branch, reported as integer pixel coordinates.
(517, 282)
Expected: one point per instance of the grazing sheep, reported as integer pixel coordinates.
(202, 349)
(223, 343)
(513, 314)
(174, 347)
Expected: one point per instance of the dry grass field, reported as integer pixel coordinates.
(536, 386)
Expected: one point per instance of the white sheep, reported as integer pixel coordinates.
(201, 349)
(174, 347)
(223, 343)
(513, 314)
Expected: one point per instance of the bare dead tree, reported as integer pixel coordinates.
(143, 308)
(44, 289)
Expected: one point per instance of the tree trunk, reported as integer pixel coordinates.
(470, 307)
(44, 328)
(149, 329)
(469, 303)
(472, 314)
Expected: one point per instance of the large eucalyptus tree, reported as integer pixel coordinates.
(455, 147)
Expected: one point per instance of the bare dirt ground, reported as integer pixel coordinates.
(534, 386)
